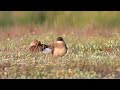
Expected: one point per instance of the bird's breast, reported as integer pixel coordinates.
(59, 51)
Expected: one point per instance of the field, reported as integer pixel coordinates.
(93, 53)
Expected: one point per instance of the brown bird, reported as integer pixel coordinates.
(35, 46)
(58, 48)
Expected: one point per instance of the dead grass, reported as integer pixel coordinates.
(92, 53)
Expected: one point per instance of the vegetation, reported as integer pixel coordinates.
(61, 18)
(92, 38)
(95, 57)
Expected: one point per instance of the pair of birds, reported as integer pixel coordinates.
(57, 49)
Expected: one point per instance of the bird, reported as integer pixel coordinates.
(35, 46)
(58, 48)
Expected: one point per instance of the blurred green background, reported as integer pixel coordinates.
(60, 18)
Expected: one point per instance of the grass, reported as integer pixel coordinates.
(109, 19)
(95, 57)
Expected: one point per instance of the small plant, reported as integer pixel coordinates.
(92, 58)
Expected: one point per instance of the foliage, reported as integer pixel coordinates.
(93, 58)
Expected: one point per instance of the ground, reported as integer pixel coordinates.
(91, 54)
